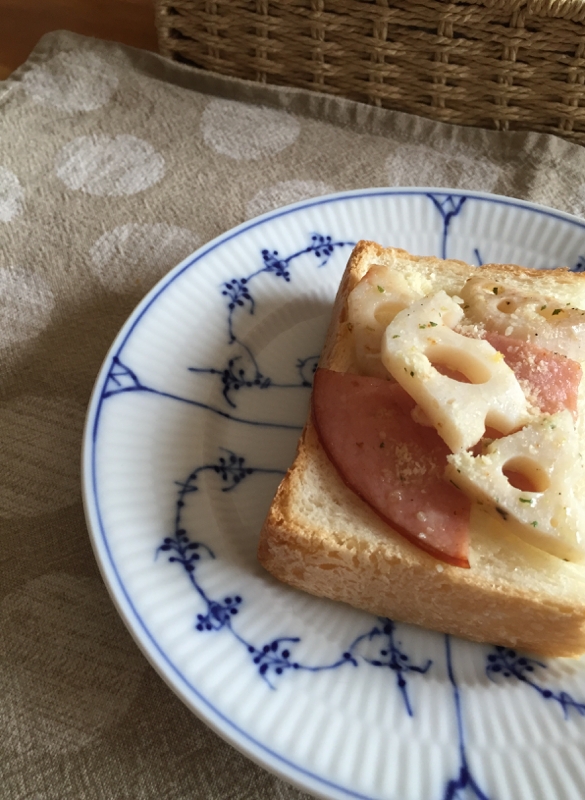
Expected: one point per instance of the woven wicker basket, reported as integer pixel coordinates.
(506, 64)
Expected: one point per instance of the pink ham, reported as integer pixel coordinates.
(552, 380)
(395, 465)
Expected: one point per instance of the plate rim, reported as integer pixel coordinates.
(219, 722)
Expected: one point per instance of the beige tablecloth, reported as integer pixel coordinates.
(114, 165)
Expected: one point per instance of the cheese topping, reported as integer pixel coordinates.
(540, 320)
(546, 456)
(420, 339)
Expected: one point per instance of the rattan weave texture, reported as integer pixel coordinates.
(505, 64)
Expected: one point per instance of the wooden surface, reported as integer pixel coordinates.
(23, 22)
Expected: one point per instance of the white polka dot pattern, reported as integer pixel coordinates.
(109, 166)
(247, 133)
(442, 165)
(137, 255)
(284, 193)
(72, 81)
(11, 195)
(26, 303)
(40, 455)
(67, 669)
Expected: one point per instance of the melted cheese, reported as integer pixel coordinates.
(419, 339)
(540, 320)
(546, 453)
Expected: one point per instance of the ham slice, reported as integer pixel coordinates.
(551, 380)
(395, 465)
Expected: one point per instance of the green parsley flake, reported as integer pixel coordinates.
(396, 336)
(495, 290)
(433, 324)
(422, 326)
(556, 311)
(380, 289)
(534, 524)
(525, 500)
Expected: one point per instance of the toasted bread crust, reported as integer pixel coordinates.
(339, 548)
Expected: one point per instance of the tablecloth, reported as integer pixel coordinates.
(114, 165)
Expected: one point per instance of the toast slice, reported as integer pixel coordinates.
(319, 536)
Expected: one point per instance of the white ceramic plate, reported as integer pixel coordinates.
(195, 417)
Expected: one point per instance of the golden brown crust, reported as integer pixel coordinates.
(337, 331)
(346, 553)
